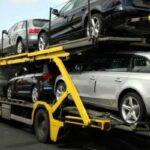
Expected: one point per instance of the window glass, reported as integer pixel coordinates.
(19, 26)
(82, 3)
(141, 64)
(23, 25)
(39, 23)
(110, 63)
(12, 28)
(69, 6)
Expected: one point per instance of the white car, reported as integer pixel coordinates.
(118, 82)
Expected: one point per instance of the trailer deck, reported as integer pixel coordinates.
(29, 113)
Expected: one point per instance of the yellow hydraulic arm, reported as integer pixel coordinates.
(55, 55)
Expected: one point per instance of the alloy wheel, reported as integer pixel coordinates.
(9, 93)
(94, 30)
(60, 90)
(35, 94)
(130, 110)
(19, 47)
(42, 42)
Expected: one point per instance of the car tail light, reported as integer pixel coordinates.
(34, 30)
(116, 2)
(48, 76)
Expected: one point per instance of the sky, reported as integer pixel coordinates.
(12, 11)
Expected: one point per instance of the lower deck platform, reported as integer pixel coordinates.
(23, 117)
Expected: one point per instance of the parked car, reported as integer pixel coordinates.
(33, 82)
(6, 73)
(109, 17)
(119, 82)
(15, 39)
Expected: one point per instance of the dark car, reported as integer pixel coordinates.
(15, 39)
(32, 82)
(6, 73)
(109, 17)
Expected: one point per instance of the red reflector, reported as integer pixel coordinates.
(34, 30)
(115, 2)
(48, 76)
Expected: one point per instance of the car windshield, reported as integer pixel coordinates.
(39, 23)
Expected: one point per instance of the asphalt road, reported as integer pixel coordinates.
(18, 137)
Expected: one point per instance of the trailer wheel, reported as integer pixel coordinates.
(41, 126)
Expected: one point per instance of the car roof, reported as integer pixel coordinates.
(139, 53)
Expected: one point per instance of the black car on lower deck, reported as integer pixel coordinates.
(34, 81)
(109, 17)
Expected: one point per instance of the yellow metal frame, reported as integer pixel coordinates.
(55, 54)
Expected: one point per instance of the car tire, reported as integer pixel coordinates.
(98, 29)
(34, 94)
(20, 47)
(9, 92)
(60, 89)
(42, 41)
(132, 108)
(41, 126)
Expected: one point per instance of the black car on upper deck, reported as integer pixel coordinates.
(109, 17)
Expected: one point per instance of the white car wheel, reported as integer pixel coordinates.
(132, 108)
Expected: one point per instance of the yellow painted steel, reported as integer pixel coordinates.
(55, 54)
(149, 17)
(59, 102)
(55, 125)
(73, 91)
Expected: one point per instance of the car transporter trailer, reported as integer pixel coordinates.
(44, 117)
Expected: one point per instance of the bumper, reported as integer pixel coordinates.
(134, 24)
(147, 104)
(32, 42)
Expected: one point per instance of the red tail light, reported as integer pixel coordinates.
(116, 2)
(48, 76)
(34, 30)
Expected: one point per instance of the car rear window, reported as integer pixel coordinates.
(39, 23)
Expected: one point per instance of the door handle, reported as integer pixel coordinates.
(83, 9)
(118, 80)
(92, 78)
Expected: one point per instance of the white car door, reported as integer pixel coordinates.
(107, 87)
(108, 82)
(84, 85)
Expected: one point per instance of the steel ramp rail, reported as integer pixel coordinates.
(76, 46)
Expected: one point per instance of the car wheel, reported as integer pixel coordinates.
(41, 126)
(42, 41)
(132, 108)
(96, 28)
(9, 92)
(35, 94)
(20, 47)
(60, 89)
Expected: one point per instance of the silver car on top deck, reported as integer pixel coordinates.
(15, 39)
(119, 82)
